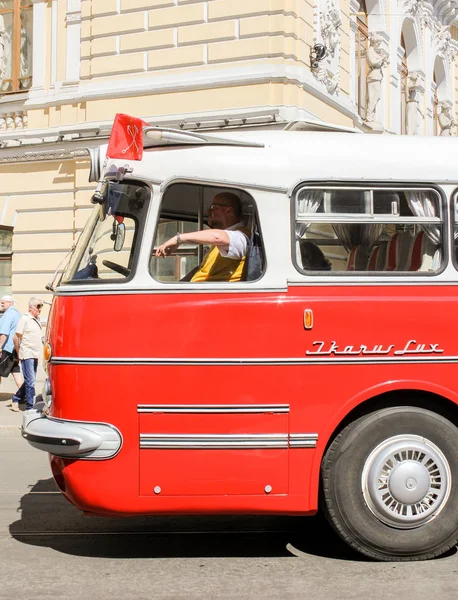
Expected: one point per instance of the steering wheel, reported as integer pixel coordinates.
(115, 267)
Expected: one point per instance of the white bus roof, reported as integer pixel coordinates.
(282, 159)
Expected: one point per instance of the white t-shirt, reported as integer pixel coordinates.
(238, 243)
(31, 342)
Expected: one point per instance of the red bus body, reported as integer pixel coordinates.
(253, 397)
(321, 391)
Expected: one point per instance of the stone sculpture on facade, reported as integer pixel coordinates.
(413, 104)
(445, 118)
(377, 60)
(331, 22)
(327, 34)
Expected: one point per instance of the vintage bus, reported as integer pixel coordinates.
(324, 378)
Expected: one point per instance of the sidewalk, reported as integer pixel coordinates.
(9, 420)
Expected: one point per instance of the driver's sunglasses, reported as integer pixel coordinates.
(39, 306)
(213, 206)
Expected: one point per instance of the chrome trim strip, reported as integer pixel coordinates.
(167, 288)
(216, 442)
(303, 440)
(158, 441)
(212, 408)
(241, 362)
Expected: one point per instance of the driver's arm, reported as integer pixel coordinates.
(213, 237)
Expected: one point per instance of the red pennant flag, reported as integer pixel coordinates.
(126, 139)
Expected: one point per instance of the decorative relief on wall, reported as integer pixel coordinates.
(443, 42)
(330, 26)
(419, 9)
(327, 23)
(45, 155)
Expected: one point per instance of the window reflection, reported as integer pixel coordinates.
(15, 46)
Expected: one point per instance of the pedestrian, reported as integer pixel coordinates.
(28, 342)
(9, 361)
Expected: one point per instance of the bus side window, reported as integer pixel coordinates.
(371, 230)
(184, 209)
(455, 231)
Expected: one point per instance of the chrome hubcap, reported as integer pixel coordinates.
(406, 481)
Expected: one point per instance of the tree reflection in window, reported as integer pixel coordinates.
(15, 45)
(6, 239)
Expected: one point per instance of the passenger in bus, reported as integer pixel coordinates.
(228, 237)
(312, 257)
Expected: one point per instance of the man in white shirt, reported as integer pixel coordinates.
(28, 342)
(228, 237)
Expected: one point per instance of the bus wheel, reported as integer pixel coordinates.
(389, 483)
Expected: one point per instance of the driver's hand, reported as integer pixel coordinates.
(167, 247)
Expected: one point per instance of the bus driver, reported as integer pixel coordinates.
(228, 237)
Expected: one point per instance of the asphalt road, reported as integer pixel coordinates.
(49, 550)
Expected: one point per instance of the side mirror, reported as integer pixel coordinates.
(120, 237)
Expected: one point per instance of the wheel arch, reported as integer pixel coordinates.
(440, 400)
(417, 397)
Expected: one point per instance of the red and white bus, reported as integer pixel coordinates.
(326, 377)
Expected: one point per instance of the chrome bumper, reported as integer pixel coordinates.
(70, 439)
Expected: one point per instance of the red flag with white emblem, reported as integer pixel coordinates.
(126, 139)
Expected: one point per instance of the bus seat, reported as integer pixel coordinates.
(254, 262)
(391, 253)
(377, 258)
(373, 258)
(397, 253)
(422, 253)
(357, 259)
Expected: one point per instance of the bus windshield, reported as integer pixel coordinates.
(107, 246)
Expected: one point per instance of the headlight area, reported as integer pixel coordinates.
(45, 396)
(71, 439)
(47, 355)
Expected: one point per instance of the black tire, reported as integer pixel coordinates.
(351, 482)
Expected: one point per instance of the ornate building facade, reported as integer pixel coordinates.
(68, 66)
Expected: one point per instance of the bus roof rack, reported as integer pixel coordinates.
(165, 136)
(313, 125)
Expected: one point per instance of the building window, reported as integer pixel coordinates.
(6, 245)
(362, 43)
(15, 45)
